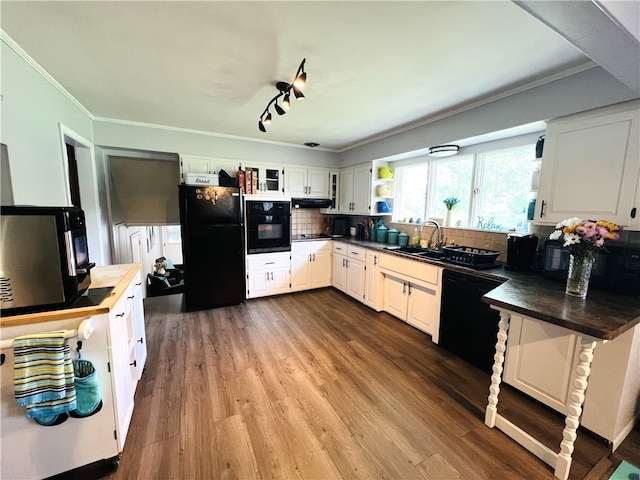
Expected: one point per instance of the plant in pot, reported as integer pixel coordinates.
(450, 203)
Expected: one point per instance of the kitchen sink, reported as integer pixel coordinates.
(417, 251)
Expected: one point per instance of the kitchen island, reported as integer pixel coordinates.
(550, 356)
(114, 341)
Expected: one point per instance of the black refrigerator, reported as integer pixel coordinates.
(211, 220)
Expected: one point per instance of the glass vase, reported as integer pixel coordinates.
(579, 273)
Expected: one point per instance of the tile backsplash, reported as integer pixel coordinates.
(306, 220)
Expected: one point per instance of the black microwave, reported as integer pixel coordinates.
(616, 269)
(45, 258)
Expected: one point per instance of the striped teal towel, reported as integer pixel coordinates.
(43, 374)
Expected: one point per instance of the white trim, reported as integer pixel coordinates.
(203, 132)
(33, 64)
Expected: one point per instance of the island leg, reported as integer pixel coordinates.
(496, 377)
(576, 400)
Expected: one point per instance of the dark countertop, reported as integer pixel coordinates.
(603, 315)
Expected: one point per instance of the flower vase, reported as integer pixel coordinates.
(578, 277)
(447, 219)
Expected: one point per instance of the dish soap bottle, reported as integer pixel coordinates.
(415, 238)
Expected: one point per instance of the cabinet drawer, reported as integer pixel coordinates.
(357, 253)
(270, 260)
(340, 248)
(410, 268)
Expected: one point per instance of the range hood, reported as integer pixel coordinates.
(310, 202)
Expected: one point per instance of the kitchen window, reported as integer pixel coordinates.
(492, 182)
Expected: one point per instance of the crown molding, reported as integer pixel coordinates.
(7, 40)
(478, 103)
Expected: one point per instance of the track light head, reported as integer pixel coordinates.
(284, 90)
(300, 80)
(298, 93)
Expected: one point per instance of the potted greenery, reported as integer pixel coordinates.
(450, 203)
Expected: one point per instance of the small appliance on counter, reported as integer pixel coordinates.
(520, 251)
(44, 258)
(338, 227)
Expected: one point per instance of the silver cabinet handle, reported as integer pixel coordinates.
(271, 275)
(355, 253)
(267, 274)
(404, 288)
(269, 263)
(309, 257)
(347, 260)
(343, 264)
(409, 289)
(375, 260)
(314, 257)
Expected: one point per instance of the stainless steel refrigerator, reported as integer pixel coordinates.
(211, 220)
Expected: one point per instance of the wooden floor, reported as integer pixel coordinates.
(315, 385)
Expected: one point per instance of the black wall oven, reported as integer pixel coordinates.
(268, 226)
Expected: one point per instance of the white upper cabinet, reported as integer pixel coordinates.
(590, 166)
(206, 165)
(306, 182)
(355, 189)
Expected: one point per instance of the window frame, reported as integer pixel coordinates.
(480, 153)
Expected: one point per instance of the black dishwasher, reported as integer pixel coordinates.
(468, 326)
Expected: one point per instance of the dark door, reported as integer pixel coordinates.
(214, 266)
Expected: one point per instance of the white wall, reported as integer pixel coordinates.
(582, 91)
(32, 109)
(185, 142)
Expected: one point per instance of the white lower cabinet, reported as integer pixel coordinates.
(268, 274)
(29, 450)
(541, 361)
(349, 269)
(374, 281)
(412, 292)
(310, 265)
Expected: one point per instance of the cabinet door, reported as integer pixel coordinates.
(362, 189)
(301, 270)
(373, 282)
(321, 272)
(295, 182)
(140, 335)
(318, 183)
(340, 272)
(422, 307)
(355, 279)
(258, 284)
(121, 381)
(582, 156)
(395, 297)
(346, 190)
(541, 360)
(196, 165)
(279, 281)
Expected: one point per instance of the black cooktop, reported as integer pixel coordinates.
(92, 297)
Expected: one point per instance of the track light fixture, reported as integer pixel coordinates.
(284, 90)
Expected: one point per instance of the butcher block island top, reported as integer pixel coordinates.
(116, 276)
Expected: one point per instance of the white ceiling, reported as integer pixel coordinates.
(372, 67)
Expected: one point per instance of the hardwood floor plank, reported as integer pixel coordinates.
(436, 467)
(316, 385)
(236, 459)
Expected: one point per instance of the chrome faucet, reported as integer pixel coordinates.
(438, 231)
